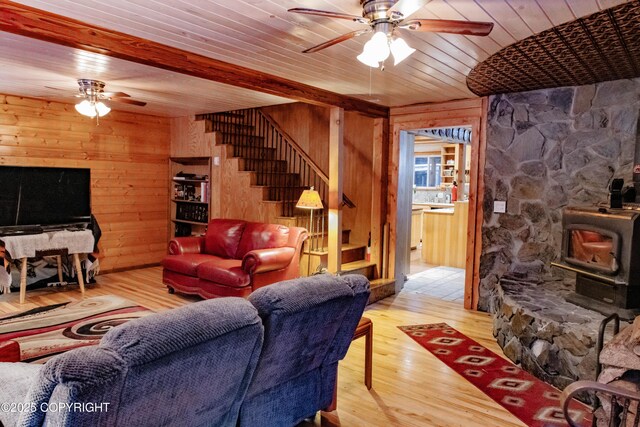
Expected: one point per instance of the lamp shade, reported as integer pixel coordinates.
(367, 59)
(379, 46)
(102, 108)
(86, 109)
(400, 50)
(309, 199)
(92, 108)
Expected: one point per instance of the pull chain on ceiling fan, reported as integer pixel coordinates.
(383, 18)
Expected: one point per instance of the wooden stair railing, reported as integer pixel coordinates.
(278, 161)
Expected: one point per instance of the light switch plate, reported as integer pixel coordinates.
(499, 206)
(216, 161)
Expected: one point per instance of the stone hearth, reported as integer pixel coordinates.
(551, 338)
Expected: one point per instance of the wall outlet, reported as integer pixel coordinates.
(216, 161)
(499, 206)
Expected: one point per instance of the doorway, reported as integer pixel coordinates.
(406, 124)
(440, 190)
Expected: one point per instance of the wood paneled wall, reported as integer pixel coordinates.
(128, 157)
(309, 126)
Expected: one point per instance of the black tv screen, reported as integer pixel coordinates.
(44, 196)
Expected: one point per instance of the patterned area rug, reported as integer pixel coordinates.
(534, 402)
(39, 334)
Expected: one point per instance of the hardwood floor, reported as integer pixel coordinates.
(410, 386)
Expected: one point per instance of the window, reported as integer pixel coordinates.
(426, 171)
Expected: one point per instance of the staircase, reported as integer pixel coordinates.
(280, 167)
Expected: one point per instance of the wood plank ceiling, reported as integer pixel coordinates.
(262, 35)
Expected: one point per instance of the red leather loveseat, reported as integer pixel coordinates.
(234, 258)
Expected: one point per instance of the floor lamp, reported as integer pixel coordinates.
(309, 199)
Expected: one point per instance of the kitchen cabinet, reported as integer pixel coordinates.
(444, 235)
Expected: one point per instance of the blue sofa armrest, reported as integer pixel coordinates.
(262, 260)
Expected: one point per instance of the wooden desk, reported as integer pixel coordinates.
(27, 246)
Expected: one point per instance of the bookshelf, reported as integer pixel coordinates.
(190, 195)
(450, 155)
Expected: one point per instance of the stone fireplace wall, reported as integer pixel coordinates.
(547, 149)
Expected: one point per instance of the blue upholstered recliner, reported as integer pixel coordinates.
(185, 367)
(309, 324)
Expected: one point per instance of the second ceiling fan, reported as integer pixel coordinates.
(383, 17)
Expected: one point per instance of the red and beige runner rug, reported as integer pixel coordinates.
(39, 334)
(534, 402)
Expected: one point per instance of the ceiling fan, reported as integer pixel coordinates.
(385, 16)
(93, 93)
(93, 97)
(95, 88)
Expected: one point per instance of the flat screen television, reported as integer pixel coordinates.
(45, 196)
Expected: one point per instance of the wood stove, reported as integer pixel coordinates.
(602, 246)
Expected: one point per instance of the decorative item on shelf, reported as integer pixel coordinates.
(454, 192)
(190, 192)
(183, 175)
(177, 192)
(204, 192)
(310, 199)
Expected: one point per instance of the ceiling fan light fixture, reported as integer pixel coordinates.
(400, 50)
(86, 109)
(376, 50)
(367, 59)
(92, 108)
(102, 109)
(379, 46)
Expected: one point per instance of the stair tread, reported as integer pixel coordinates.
(381, 282)
(277, 173)
(240, 134)
(345, 247)
(355, 265)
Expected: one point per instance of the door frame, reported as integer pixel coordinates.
(468, 112)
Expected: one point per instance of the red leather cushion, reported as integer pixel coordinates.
(187, 264)
(223, 237)
(225, 272)
(262, 236)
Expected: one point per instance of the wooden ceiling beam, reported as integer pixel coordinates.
(16, 18)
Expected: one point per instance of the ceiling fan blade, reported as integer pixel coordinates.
(116, 94)
(337, 40)
(327, 14)
(407, 7)
(128, 101)
(467, 28)
(57, 88)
